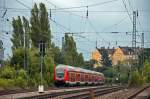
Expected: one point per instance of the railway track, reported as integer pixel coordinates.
(91, 93)
(84, 93)
(17, 91)
(138, 91)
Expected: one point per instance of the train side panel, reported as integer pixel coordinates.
(76, 76)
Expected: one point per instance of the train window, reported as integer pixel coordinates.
(78, 77)
(82, 77)
(93, 78)
(69, 76)
(86, 77)
(90, 79)
(73, 77)
(60, 74)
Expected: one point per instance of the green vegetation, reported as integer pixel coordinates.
(136, 79)
(69, 53)
(115, 75)
(146, 71)
(23, 68)
(18, 33)
(40, 28)
(9, 77)
(105, 58)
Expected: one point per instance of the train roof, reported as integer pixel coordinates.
(78, 69)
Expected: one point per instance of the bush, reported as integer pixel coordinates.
(17, 59)
(123, 79)
(136, 79)
(20, 82)
(7, 83)
(21, 79)
(146, 71)
(8, 72)
(108, 80)
(22, 73)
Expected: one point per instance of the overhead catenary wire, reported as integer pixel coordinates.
(85, 11)
(115, 24)
(92, 11)
(91, 5)
(65, 11)
(23, 4)
(60, 25)
(127, 10)
(131, 7)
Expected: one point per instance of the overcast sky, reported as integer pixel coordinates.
(104, 17)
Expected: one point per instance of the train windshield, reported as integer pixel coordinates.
(60, 73)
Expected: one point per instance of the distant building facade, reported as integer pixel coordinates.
(118, 55)
(96, 56)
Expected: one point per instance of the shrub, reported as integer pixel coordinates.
(108, 80)
(146, 71)
(123, 79)
(22, 73)
(20, 82)
(7, 83)
(136, 79)
(8, 72)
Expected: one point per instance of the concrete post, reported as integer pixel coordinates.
(91, 95)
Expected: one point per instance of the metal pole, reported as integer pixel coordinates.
(24, 51)
(41, 87)
(134, 37)
(41, 69)
(41, 64)
(142, 45)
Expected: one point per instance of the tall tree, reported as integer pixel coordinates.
(26, 32)
(18, 33)
(40, 26)
(144, 55)
(20, 41)
(70, 54)
(105, 60)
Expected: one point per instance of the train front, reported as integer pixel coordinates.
(60, 75)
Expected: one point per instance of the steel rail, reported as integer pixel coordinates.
(138, 92)
(66, 93)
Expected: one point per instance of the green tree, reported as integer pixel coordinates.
(146, 71)
(18, 33)
(40, 28)
(55, 53)
(70, 54)
(26, 32)
(143, 56)
(17, 59)
(7, 72)
(136, 79)
(105, 60)
(34, 68)
(80, 59)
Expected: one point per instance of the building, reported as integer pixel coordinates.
(119, 55)
(96, 55)
(122, 55)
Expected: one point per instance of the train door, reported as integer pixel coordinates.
(69, 73)
(93, 78)
(82, 77)
(78, 77)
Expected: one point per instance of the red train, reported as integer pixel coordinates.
(69, 75)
